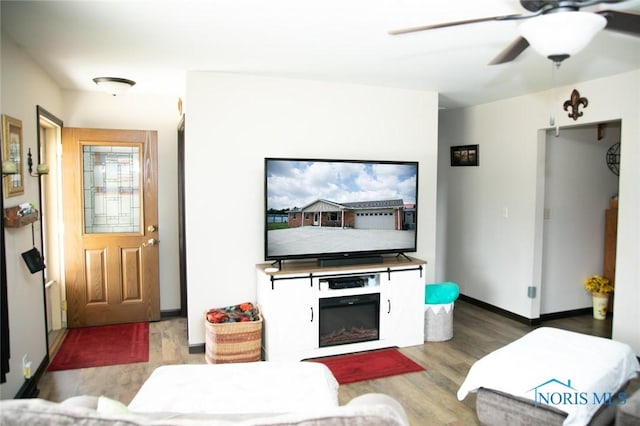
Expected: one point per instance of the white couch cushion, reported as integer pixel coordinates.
(263, 387)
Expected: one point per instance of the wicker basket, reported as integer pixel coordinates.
(233, 341)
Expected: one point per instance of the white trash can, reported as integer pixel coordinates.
(438, 322)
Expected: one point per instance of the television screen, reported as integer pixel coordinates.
(339, 208)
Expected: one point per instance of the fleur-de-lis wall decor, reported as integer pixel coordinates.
(574, 102)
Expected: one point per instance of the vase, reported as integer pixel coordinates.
(600, 305)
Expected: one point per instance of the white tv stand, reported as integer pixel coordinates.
(289, 301)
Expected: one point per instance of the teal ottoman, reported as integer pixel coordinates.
(438, 311)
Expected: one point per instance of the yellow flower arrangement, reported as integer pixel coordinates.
(598, 284)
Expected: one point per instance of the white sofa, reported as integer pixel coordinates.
(248, 394)
(365, 410)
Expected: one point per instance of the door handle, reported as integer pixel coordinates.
(152, 242)
(151, 228)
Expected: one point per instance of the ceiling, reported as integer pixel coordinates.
(156, 42)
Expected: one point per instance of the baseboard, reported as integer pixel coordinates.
(566, 314)
(29, 389)
(171, 313)
(523, 320)
(197, 349)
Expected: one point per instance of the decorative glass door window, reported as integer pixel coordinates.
(111, 189)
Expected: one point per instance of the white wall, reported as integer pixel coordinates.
(234, 121)
(142, 112)
(495, 258)
(24, 86)
(577, 191)
(490, 256)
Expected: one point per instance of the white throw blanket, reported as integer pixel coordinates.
(570, 371)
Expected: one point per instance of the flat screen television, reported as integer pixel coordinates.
(339, 209)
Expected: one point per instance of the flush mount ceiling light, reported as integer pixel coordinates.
(559, 35)
(114, 85)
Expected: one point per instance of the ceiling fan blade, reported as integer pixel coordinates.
(452, 24)
(511, 52)
(623, 22)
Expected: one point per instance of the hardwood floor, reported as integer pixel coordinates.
(167, 345)
(429, 397)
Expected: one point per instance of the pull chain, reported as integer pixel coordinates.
(555, 66)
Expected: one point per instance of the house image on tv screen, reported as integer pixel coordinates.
(383, 214)
(324, 208)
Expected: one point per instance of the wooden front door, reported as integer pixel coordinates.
(110, 215)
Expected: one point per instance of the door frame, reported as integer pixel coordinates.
(5, 340)
(182, 240)
(43, 114)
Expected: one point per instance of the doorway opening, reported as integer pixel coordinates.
(49, 152)
(580, 186)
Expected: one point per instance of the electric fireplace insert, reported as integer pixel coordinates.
(349, 319)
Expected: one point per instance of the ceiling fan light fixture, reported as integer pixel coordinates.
(560, 35)
(114, 85)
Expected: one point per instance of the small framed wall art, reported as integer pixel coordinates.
(465, 155)
(12, 151)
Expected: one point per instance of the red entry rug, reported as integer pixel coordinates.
(103, 345)
(368, 365)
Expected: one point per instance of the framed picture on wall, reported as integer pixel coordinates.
(12, 151)
(465, 155)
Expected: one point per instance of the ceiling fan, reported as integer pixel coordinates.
(556, 29)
